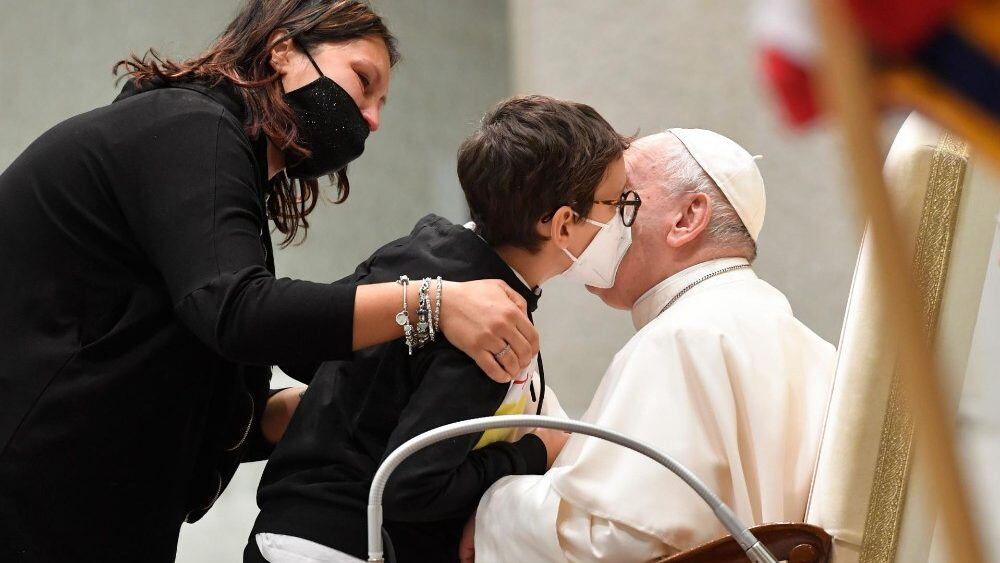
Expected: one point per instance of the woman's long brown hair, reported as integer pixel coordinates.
(241, 56)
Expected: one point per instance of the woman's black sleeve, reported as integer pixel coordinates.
(193, 207)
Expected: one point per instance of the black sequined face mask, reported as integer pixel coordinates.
(330, 126)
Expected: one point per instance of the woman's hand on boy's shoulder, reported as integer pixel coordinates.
(488, 321)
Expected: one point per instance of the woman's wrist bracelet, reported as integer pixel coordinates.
(437, 305)
(403, 317)
(428, 323)
(424, 329)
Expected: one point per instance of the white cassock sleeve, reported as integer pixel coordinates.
(516, 521)
(551, 406)
(522, 518)
(585, 537)
(620, 503)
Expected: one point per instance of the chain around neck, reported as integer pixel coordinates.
(691, 285)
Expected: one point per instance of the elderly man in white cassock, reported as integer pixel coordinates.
(720, 375)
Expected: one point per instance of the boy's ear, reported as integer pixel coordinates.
(559, 226)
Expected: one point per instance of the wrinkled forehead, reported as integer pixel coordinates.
(647, 160)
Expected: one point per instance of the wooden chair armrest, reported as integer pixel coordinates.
(795, 543)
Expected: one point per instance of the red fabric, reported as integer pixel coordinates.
(792, 83)
(897, 27)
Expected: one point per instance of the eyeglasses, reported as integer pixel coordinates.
(628, 206)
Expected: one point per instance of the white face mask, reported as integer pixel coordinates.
(598, 264)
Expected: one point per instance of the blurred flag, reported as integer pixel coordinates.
(938, 56)
(789, 46)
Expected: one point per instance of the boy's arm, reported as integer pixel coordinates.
(447, 479)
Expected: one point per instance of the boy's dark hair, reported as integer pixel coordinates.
(530, 156)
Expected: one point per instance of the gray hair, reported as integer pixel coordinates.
(682, 174)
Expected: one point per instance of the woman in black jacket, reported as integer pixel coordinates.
(139, 311)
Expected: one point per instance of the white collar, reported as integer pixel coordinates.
(648, 306)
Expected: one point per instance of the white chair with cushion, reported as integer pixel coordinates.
(869, 497)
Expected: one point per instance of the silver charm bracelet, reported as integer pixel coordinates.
(403, 317)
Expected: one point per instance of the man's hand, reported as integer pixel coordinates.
(278, 413)
(554, 441)
(467, 546)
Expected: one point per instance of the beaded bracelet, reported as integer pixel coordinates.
(428, 315)
(430, 311)
(423, 314)
(437, 308)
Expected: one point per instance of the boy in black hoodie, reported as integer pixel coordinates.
(532, 173)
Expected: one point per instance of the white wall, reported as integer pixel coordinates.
(56, 56)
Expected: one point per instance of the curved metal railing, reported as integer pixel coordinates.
(755, 550)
